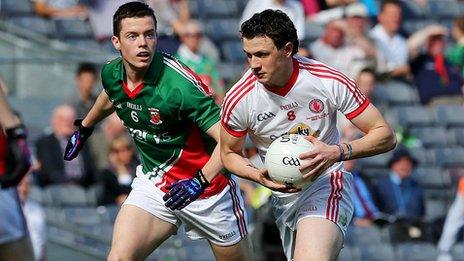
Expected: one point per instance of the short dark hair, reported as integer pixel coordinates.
(389, 2)
(86, 68)
(128, 10)
(274, 24)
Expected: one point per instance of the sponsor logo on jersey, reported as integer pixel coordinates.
(316, 106)
(228, 235)
(265, 116)
(132, 106)
(300, 129)
(152, 138)
(155, 117)
(289, 106)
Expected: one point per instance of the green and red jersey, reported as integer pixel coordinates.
(167, 116)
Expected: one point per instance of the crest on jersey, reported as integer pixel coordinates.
(155, 117)
(316, 106)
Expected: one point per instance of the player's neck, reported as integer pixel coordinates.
(134, 76)
(285, 74)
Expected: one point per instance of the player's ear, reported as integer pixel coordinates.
(288, 49)
(116, 42)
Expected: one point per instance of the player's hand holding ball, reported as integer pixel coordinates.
(283, 162)
(319, 159)
(77, 140)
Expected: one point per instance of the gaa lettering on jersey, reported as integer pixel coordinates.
(265, 116)
(289, 106)
(316, 105)
(155, 117)
(132, 106)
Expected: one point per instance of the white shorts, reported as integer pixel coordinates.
(328, 197)
(12, 222)
(221, 218)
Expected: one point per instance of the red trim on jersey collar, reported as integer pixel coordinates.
(282, 91)
(132, 94)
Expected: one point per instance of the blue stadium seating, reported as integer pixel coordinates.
(432, 136)
(449, 157)
(220, 8)
(378, 252)
(13, 8)
(411, 116)
(444, 8)
(74, 28)
(233, 51)
(417, 252)
(35, 24)
(222, 29)
(433, 177)
(396, 93)
(67, 195)
(424, 156)
(450, 115)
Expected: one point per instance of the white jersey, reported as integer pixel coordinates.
(306, 105)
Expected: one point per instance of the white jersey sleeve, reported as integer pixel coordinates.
(344, 93)
(235, 110)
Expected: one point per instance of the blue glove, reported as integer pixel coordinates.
(183, 192)
(77, 140)
(18, 159)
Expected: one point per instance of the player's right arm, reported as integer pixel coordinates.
(231, 155)
(100, 110)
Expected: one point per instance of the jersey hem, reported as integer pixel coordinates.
(358, 111)
(237, 134)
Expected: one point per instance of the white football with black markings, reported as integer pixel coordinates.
(282, 159)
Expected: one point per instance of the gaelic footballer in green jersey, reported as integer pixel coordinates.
(166, 116)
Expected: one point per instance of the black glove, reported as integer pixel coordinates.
(77, 140)
(18, 158)
(183, 192)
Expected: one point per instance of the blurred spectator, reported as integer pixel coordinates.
(391, 46)
(436, 79)
(366, 81)
(86, 77)
(35, 219)
(120, 171)
(292, 8)
(50, 148)
(101, 19)
(365, 211)
(357, 29)
(332, 50)
(398, 193)
(453, 223)
(456, 52)
(111, 128)
(171, 15)
(206, 68)
(60, 9)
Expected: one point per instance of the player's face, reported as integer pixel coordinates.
(266, 61)
(136, 41)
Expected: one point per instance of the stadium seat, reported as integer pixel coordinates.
(375, 173)
(73, 29)
(444, 8)
(449, 157)
(313, 31)
(412, 10)
(82, 216)
(222, 29)
(233, 52)
(432, 136)
(413, 116)
(396, 93)
(417, 251)
(222, 8)
(377, 161)
(108, 213)
(85, 44)
(67, 195)
(54, 215)
(424, 156)
(435, 209)
(377, 252)
(17, 7)
(349, 254)
(458, 134)
(432, 177)
(231, 72)
(93, 194)
(35, 24)
(450, 115)
(362, 236)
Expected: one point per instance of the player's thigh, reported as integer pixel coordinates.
(18, 250)
(317, 239)
(243, 250)
(137, 233)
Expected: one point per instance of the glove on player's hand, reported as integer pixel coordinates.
(183, 192)
(77, 140)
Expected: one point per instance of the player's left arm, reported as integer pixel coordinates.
(378, 138)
